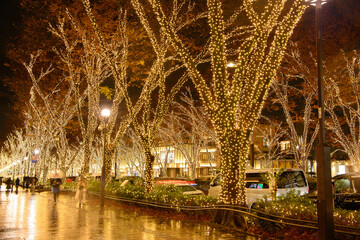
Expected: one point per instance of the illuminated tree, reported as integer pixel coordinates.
(50, 113)
(132, 153)
(162, 152)
(15, 150)
(272, 153)
(188, 129)
(342, 103)
(157, 92)
(85, 68)
(302, 138)
(340, 97)
(233, 101)
(32, 34)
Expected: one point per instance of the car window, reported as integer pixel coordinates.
(342, 185)
(254, 181)
(217, 181)
(356, 182)
(292, 179)
(256, 185)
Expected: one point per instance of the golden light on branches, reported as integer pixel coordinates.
(234, 101)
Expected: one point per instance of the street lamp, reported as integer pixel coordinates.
(105, 113)
(324, 197)
(231, 64)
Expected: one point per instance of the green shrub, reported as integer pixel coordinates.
(347, 217)
(70, 185)
(294, 205)
(291, 205)
(165, 194)
(139, 181)
(170, 194)
(130, 191)
(135, 189)
(94, 185)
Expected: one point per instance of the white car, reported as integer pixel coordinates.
(189, 190)
(291, 179)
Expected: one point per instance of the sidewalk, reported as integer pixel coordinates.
(35, 216)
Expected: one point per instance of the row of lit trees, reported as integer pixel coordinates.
(255, 35)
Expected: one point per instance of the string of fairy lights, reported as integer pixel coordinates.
(233, 105)
(234, 101)
(8, 167)
(146, 129)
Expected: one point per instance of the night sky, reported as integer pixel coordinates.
(8, 16)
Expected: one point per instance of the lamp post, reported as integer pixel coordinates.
(105, 113)
(324, 198)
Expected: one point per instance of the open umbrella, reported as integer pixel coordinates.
(57, 174)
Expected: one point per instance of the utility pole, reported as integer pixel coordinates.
(324, 198)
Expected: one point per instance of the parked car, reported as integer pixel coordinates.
(347, 191)
(71, 179)
(189, 190)
(173, 180)
(256, 188)
(203, 183)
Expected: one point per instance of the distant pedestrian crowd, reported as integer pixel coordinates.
(12, 184)
(55, 183)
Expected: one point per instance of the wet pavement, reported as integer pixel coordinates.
(35, 216)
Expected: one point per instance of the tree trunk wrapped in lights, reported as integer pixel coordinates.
(149, 165)
(144, 119)
(51, 112)
(85, 69)
(234, 101)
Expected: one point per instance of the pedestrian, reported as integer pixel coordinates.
(81, 192)
(27, 183)
(8, 184)
(33, 185)
(55, 188)
(17, 183)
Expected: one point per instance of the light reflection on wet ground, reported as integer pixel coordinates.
(27, 216)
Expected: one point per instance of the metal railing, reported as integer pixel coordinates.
(248, 214)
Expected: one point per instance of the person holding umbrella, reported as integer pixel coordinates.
(17, 183)
(56, 177)
(33, 185)
(55, 188)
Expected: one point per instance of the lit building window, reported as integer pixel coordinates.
(169, 155)
(285, 145)
(342, 169)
